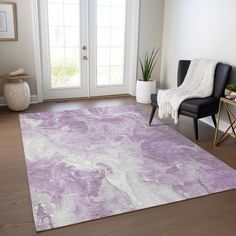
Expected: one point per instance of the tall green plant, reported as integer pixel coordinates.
(148, 64)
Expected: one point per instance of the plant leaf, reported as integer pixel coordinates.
(148, 64)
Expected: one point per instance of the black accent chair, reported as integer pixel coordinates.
(198, 108)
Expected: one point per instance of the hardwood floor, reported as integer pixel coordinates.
(210, 215)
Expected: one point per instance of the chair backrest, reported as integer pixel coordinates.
(222, 76)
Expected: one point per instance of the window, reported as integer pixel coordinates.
(111, 25)
(64, 34)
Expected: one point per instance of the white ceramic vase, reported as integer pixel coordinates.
(17, 95)
(227, 92)
(144, 89)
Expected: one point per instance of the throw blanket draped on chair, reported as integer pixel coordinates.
(198, 83)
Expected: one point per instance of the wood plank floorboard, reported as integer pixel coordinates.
(213, 215)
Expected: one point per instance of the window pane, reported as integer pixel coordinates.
(117, 17)
(64, 33)
(58, 76)
(72, 36)
(103, 56)
(120, 3)
(56, 36)
(103, 75)
(72, 75)
(111, 17)
(117, 56)
(71, 16)
(117, 75)
(57, 56)
(71, 1)
(55, 13)
(103, 37)
(55, 1)
(103, 16)
(72, 57)
(103, 2)
(117, 37)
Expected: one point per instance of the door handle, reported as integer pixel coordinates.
(84, 48)
(85, 58)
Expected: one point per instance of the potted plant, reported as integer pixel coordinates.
(231, 87)
(230, 91)
(146, 86)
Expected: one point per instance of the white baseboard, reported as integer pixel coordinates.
(223, 125)
(33, 100)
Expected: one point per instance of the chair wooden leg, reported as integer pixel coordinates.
(152, 114)
(214, 120)
(195, 123)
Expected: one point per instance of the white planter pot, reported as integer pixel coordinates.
(227, 92)
(144, 89)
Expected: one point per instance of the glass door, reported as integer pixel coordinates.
(108, 47)
(84, 46)
(65, 50)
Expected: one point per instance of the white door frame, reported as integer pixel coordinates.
(132, 51)
(134, 46)
(37, 49)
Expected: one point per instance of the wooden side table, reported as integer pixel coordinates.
(231, 130)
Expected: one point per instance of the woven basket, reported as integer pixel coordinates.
(17, 95)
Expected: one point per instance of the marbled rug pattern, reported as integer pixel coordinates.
(88, 164)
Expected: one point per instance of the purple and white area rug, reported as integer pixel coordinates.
(88, 164)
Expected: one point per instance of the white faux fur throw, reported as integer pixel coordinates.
(198, 83)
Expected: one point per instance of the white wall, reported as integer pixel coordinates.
(14, 55)
(197, 29)
(151, 31)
